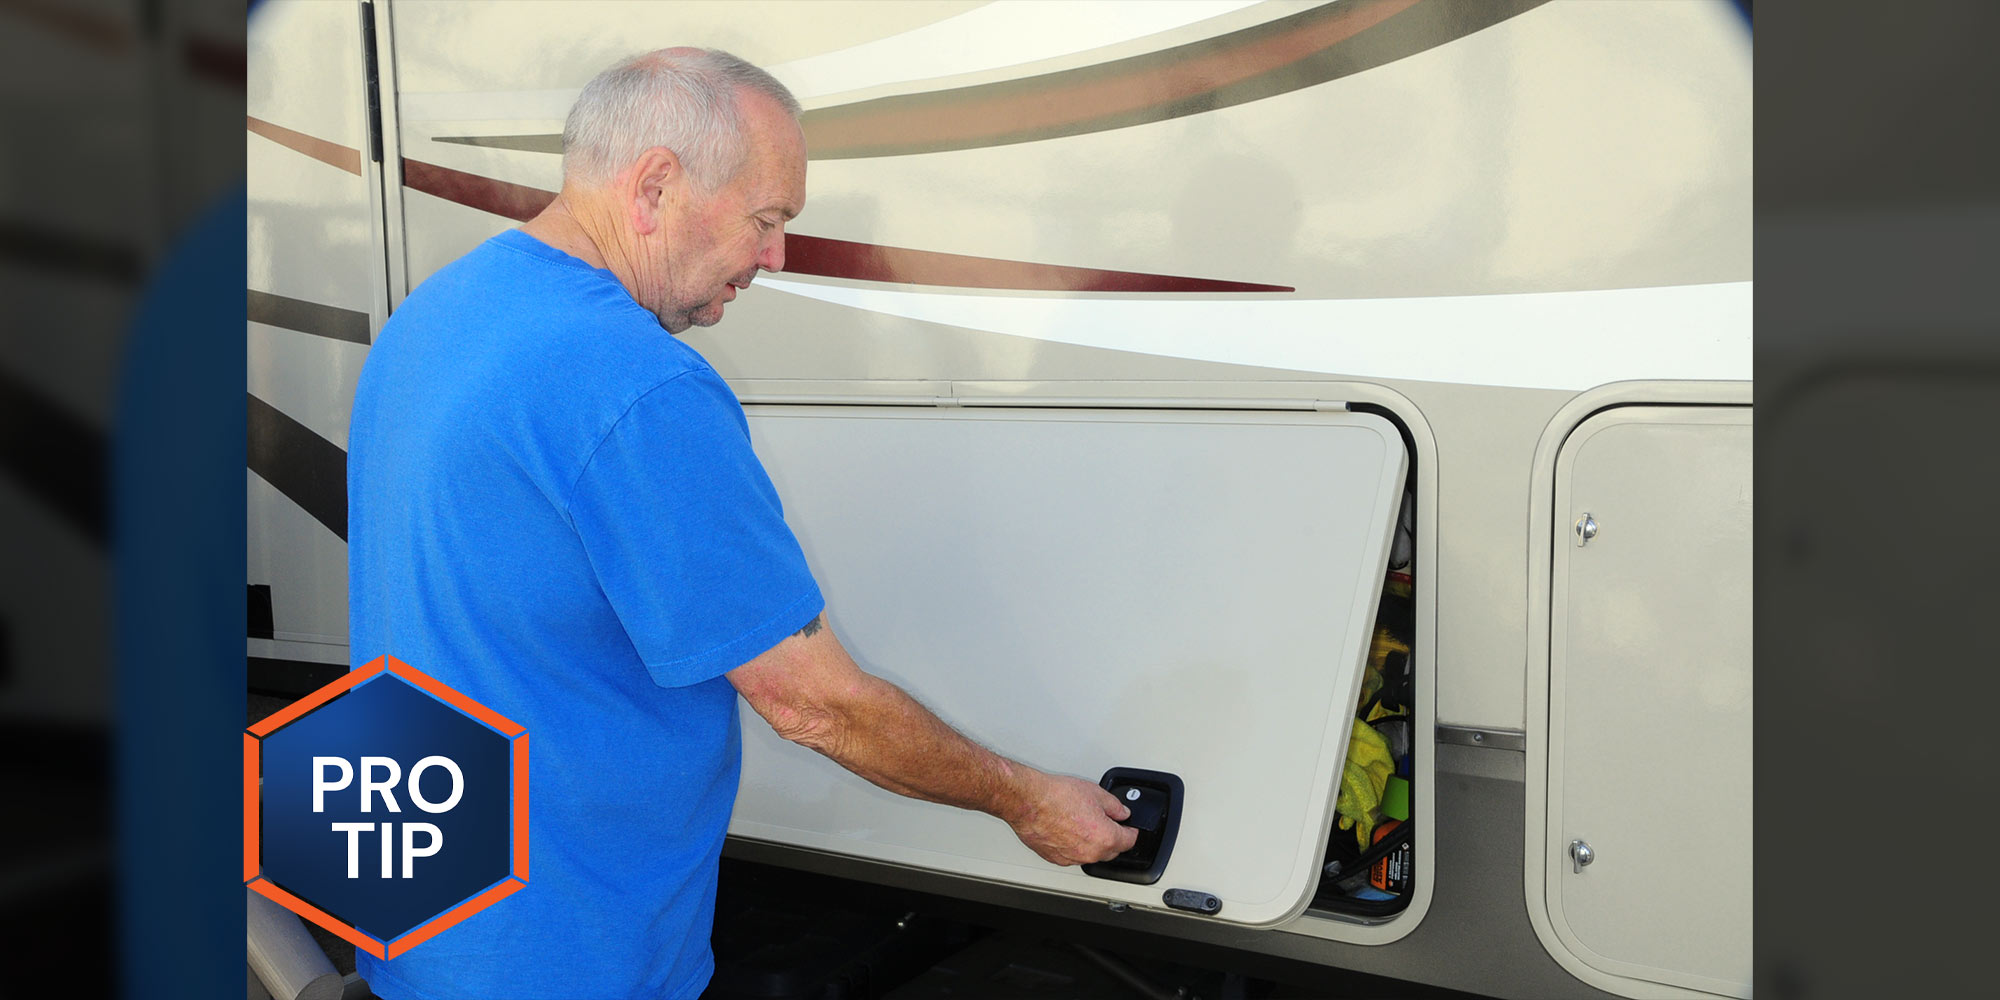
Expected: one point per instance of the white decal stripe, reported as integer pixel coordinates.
(991, 37)
(984, 38)
(511, 106)
(1543, 340)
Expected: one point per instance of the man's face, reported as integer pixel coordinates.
(726, 237)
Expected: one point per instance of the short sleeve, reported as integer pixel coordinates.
(687, 536)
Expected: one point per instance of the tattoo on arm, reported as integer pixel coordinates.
(812, 627)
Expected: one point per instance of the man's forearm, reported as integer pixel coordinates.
(882, 734)
(812, 693)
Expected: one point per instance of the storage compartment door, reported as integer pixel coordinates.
(1649, 707)
(1177, 591)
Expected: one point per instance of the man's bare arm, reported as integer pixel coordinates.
(812, 693)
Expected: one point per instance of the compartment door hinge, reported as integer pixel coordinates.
(371, 78)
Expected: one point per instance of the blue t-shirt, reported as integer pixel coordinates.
(553, 507)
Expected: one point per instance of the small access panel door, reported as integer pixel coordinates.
(1185, 593)
(1648, 861)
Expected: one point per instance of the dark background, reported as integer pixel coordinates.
(121, 495)
(1878, 376)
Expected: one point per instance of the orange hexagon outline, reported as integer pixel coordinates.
(253, 856)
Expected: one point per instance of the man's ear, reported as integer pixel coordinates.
(649, 186)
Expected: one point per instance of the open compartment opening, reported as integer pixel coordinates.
(1369, 871)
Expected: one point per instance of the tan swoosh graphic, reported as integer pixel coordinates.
(345, 157)
(1301, 50)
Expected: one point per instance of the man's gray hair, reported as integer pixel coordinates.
(683, 99)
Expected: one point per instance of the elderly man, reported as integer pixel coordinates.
(554, 507)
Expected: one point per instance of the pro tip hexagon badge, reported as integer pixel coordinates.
(385, 807)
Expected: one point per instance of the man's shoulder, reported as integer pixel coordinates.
(512, 307)
(514, 278)
(501, 346)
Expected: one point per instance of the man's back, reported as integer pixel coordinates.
(553, 507)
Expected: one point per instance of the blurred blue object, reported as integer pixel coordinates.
(178, 549)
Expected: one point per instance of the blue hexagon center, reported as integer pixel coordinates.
(386, 717)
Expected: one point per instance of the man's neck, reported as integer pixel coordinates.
(574, 224)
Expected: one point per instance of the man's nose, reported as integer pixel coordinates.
(772, 257)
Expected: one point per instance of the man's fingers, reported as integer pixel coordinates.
(1113, 807)
(1121, 840)
(1086, 825)
(1127, 836)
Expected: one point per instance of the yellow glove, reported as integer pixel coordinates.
(1384, 643)
(1362, 779)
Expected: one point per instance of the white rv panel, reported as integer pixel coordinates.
(1181, 591)
(315, 270)
(308, 609)
(311, 222)
(1646, 859)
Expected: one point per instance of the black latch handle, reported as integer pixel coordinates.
(1156, 800)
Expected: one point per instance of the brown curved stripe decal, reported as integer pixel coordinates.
(814, 255)
(1188, 79)
(1291, 53)
(345, 157)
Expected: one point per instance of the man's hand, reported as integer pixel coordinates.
(813, 694)
(1069, 821)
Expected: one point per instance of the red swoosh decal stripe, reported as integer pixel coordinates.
(514, 201)
(843, 259)
(814, 255)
